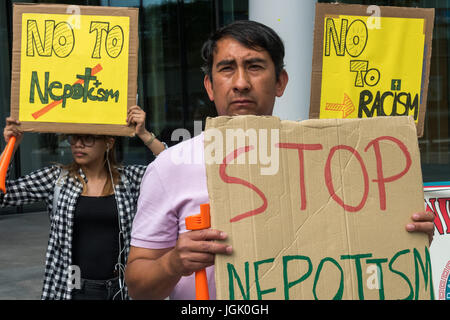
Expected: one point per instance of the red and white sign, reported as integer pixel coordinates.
(437, 199)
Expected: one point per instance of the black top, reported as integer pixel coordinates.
(95, 242)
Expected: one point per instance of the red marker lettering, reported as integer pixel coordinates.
(227, 179)
(300, 147)
(329, 180)
(381, 179)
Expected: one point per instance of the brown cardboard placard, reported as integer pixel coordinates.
(317, 209)
(74, 68)
(371, 61)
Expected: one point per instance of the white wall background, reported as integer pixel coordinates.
(293, 20)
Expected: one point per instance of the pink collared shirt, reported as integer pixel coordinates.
(173, 187)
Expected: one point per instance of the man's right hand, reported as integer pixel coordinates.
(154, 273)
(195, 250)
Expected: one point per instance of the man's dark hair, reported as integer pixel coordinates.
(251, 34)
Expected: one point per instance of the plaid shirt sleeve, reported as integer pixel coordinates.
(134, 174)
(33, 187)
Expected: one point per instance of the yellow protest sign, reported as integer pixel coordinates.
(75, 70)
(371, 65)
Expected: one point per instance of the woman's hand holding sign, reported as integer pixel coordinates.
(136, 116)
(12, 129)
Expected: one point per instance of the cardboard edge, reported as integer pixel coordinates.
(80, 128)
(428, 30)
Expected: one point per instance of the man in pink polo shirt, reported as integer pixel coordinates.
(244, 73)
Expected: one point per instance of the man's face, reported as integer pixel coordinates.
(243, 80)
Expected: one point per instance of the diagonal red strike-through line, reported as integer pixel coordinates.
(53, 104)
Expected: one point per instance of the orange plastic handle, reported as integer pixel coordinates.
(198, 222)
(4, 162)
(201, 285)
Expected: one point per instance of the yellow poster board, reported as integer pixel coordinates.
(77, 71)
(371, 64)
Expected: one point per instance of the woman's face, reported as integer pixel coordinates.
(88, 149)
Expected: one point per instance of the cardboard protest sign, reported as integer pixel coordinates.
(317, 209)
(74, 68)
(371, 61)
(437, 199)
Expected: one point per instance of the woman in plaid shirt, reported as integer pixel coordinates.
(91, 224)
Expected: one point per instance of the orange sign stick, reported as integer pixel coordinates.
(199, 222)
(4, 162)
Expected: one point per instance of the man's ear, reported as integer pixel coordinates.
(282, 82)
(208, 86)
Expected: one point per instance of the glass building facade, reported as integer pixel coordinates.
(170, 81)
